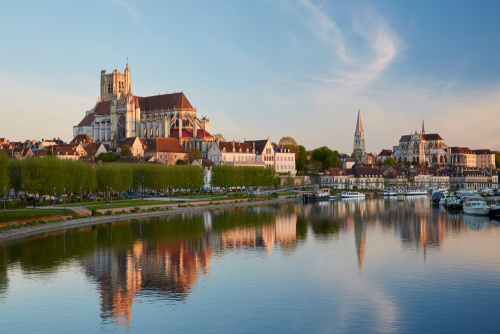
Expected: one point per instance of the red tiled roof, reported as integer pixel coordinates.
(431, 136)
(82, 138)
(169, 145)
(188, 133)
(87, 120)
(165, 101)
(228, 145)
(103, 108)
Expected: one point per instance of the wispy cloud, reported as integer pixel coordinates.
(132, 12)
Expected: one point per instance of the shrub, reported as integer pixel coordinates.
(108, 213)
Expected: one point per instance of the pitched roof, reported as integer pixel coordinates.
(166, 145)
(361, 170)
(385, 153)
(405, 138)
(92, 148)
(103, 108)
(87, 120)
(188, 133)
(165, 101)
(81, 138)
(229, 145)
(482, 152)
(259, 145)
(431, 136)
(464, 150)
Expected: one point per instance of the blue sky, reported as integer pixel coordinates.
(259, 69)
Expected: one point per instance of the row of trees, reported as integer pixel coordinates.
(230, 176)
(49, 175)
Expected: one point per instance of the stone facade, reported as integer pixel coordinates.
(118, 114)
(359, 136)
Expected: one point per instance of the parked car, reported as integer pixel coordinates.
(125, 195)
(75, 197)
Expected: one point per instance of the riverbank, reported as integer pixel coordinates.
(26, 231)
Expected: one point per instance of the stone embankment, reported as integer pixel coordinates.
(62, 225)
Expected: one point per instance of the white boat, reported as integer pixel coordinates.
(351, 194)
(475, 205)
(415, 192)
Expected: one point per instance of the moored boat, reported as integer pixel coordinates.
(436, 197)
(475, 205)
(351, 194)
(317, 196)
(453, 204)
(495, 211)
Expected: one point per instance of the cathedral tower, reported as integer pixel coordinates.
(359, 136)
(114, 83)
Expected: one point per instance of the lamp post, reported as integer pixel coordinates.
(54, 195)
(64, 198)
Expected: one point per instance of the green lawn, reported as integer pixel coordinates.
(13, 215)
(124, 204)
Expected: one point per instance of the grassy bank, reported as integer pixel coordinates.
(24, 214)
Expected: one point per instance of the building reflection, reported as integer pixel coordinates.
(172, 269)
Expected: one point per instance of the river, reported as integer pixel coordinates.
(356, 266)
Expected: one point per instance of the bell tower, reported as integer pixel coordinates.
(115, 83)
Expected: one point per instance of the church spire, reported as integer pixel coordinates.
(423, 127)
(359, 124)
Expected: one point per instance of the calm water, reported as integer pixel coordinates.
(356, 266)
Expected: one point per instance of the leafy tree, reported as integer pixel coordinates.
(220, 137)
(301, 158)
(290, 144)
(107, 157)
(180, 162)
(16, 175)
(4, 173)
(123, 177)
(379, 162)
(35, 173)
(194, 153)
(357, 154)
(314, 166)
(390, 162)
(125, 151)
(104, 177)
(140, 176)
(327, 157)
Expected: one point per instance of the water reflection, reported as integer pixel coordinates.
(165, 258)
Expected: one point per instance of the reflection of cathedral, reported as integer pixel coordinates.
(172, 268)
(118, 114)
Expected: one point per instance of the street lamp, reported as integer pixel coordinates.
(64, 198)
(54, 195)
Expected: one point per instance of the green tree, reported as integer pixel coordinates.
(220, 137)
(180, 162)
(4, 173)
(125, 151)
(140, 176)
(301, 158)
(357, 154)
(290, 144)
(35, 173)
(104, 177)
(390, 162)
(16, 175)
(194, 153)
(107, 157)
(123, 177)
(327, 157)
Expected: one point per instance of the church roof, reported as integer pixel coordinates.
(103, 108)
(87, 120)
(431, 136)
(188, 133)
(405, 138)
(165, 101)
